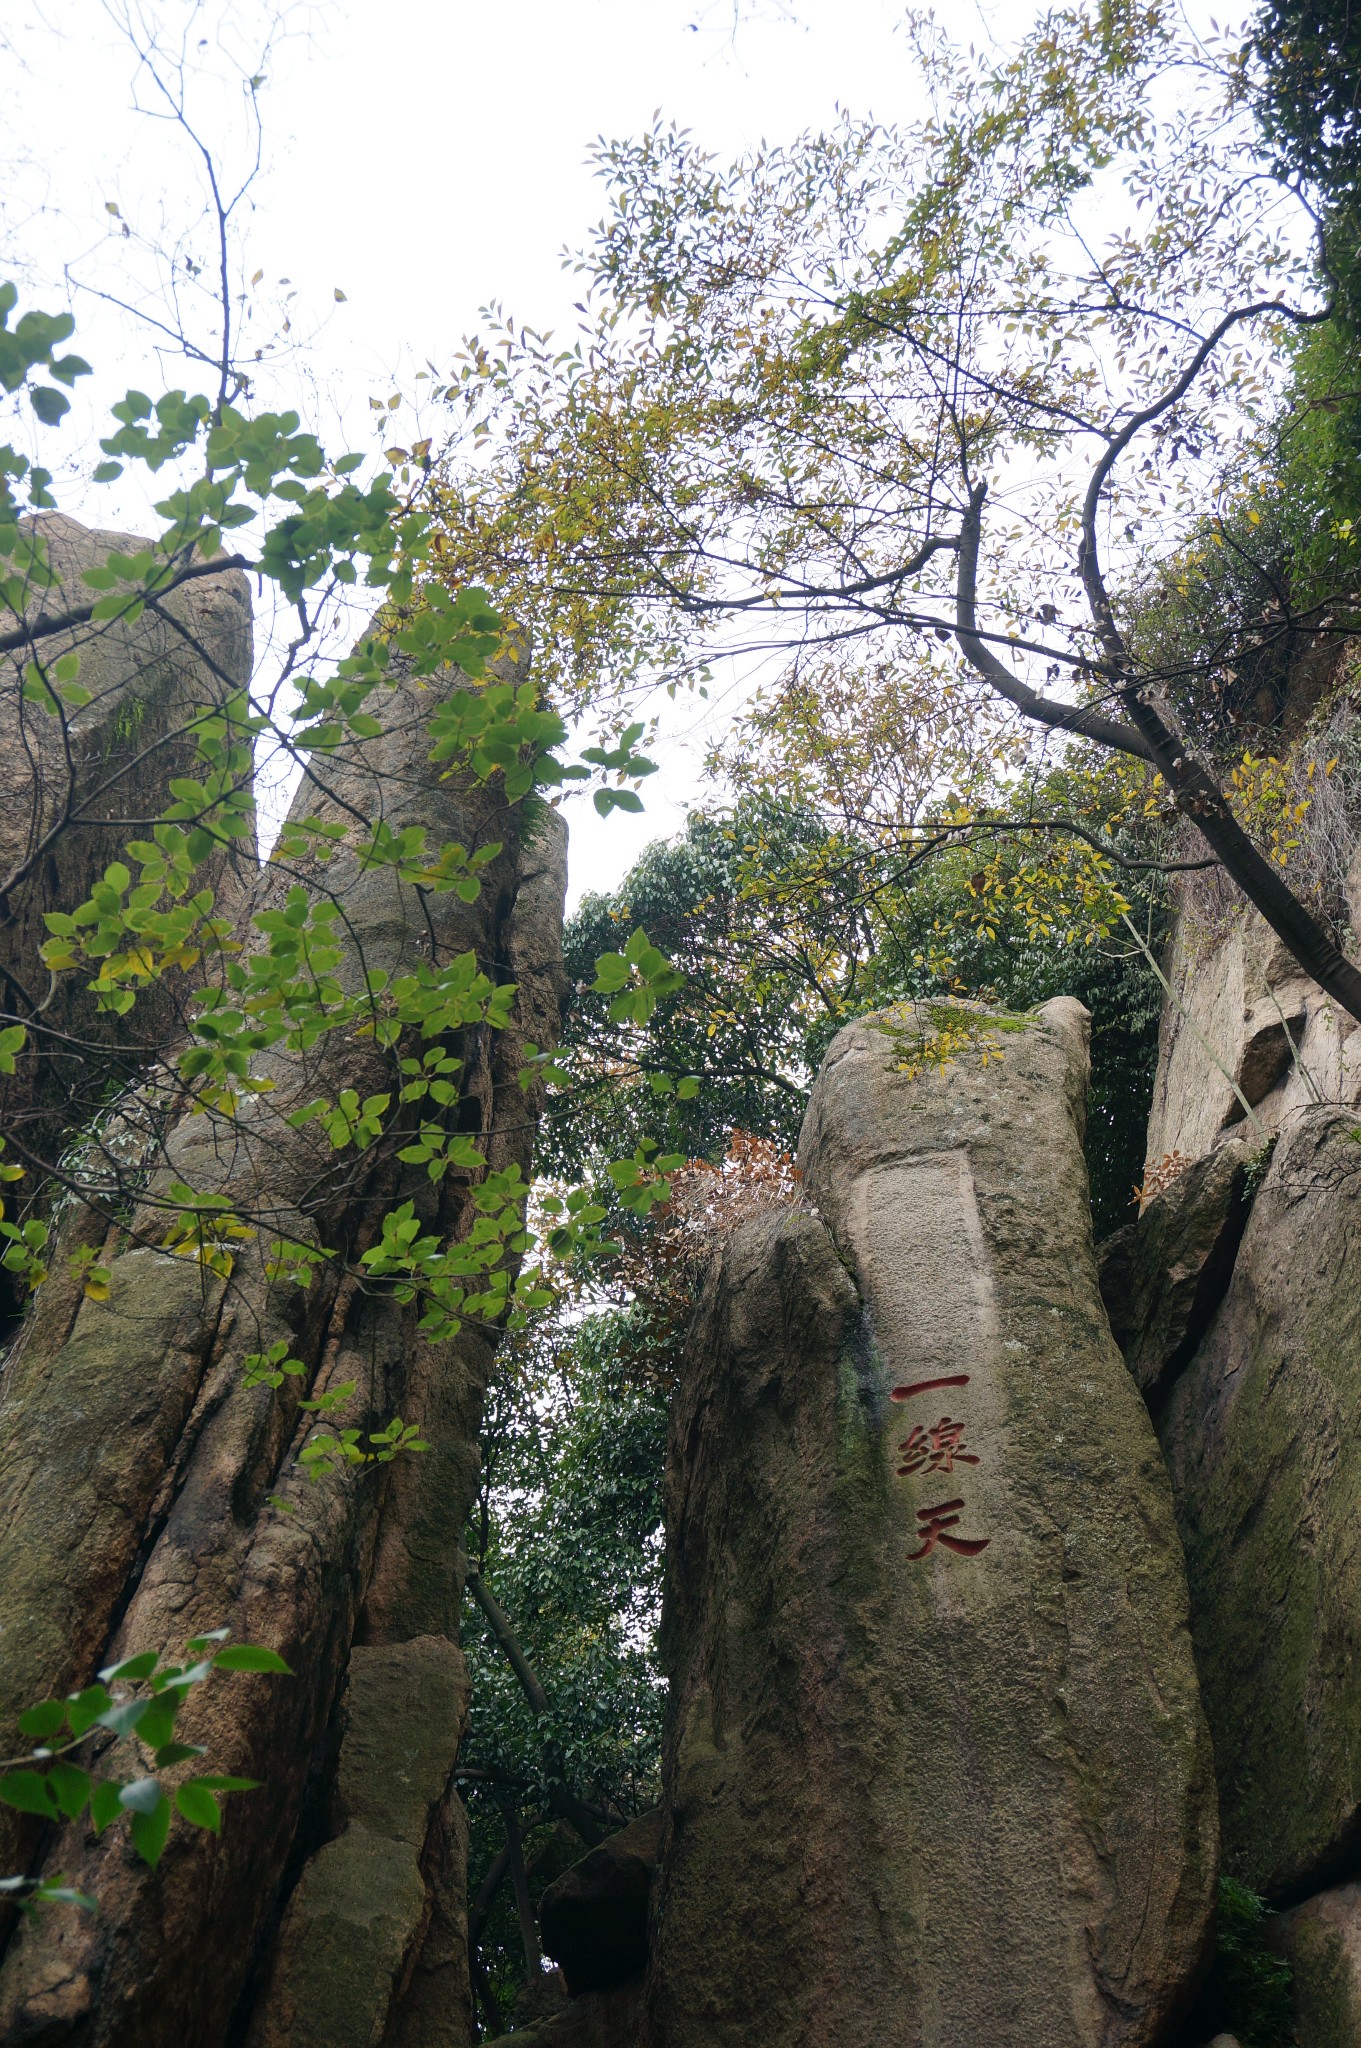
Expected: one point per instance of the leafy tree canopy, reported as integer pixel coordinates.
(924, 403)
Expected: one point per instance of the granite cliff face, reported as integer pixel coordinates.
(1240, 1012)
(1262, 1432)
(140, 1491)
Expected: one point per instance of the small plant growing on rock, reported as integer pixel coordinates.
(1248, 1993)
(1169, 1168)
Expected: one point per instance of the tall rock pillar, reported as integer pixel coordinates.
(936, 1771)
(148, 1493)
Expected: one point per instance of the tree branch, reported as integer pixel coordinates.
(48, 623)
(506, 1638)
(1196, 793)
(524, 1905)
(1078, 719)
(564, 1799)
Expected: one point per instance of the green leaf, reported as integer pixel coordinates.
(141, 1795)
(250, 1657)
(123, 1717)
(219, 1784)
(83, 1709)
(28, 1791)
(197, 1644)
(70, 1788)
(43, 1720)
(50, 406)
(105, 1804)
(157, 1725)
(607, 800)
(52, 1892)
(149, 1831)
(132, 1670)
(199, 1807)
(176, 1753)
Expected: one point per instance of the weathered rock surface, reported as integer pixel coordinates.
(356, 1916)
(1164, 1275)
(594, 1918)
(936, 1771)
(72, 796)
(1321, 1941)
(1263, 1440)
(1239, 992)
(136, 1475)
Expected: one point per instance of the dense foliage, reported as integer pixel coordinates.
(1309, 53)
(567, 1534)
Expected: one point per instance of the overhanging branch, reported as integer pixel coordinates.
(1080, 720)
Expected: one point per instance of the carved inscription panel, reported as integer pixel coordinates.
(924, 1269)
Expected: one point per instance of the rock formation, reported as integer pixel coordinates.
(1238, 1306)
(75, 788)
(936, 1770)
(983, 1641)
(146, 1495)
(1263, 1439)
(594, 1918)
(1321, 1940)
(1164, 1275)
(1240, 1007)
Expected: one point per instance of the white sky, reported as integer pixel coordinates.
(424, 156)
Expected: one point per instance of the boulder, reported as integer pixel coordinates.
(1164, 1275)
(1321, 1941)
(935, 1768)
(1262, 1434)
(594, 1918)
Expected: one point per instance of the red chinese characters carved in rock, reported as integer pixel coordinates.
(938, 1448)
(936, 1524)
